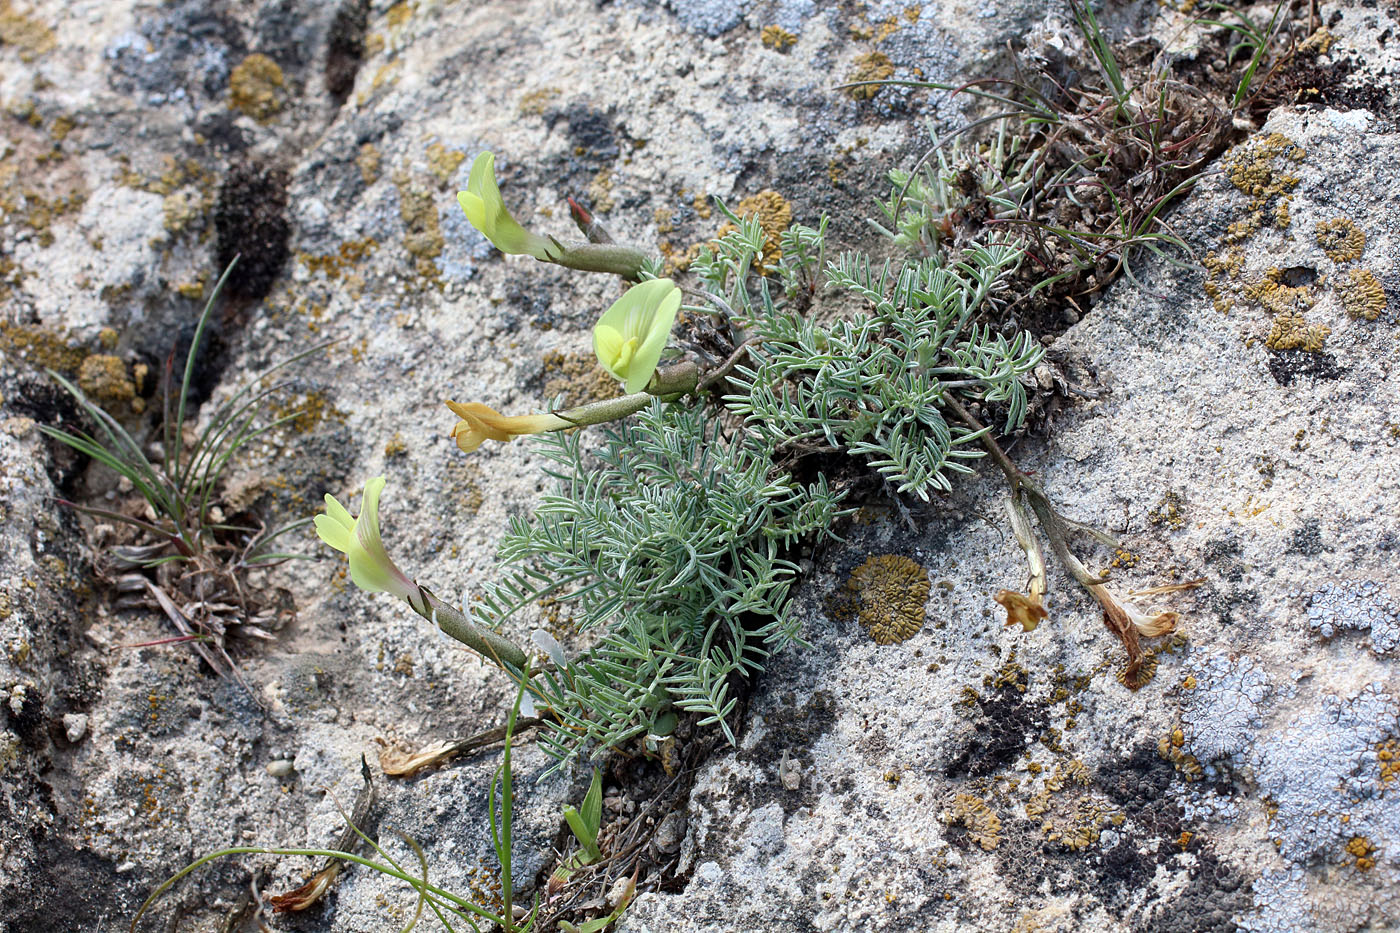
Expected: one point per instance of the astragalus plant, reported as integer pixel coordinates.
(674, 532)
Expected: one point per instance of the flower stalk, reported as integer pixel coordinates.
(480, 423)
(1123, 619)
(486, 210)
(373, 571)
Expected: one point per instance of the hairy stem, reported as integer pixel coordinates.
(625, 261)
(483, 641)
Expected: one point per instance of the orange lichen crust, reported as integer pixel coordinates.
(972, 813)
(1340, 239)
(887, 595)
(1364, 851)
(1362, 295)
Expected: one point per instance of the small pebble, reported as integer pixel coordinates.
(618, 891)
(279, 767)
(75, 726)
(671, 833)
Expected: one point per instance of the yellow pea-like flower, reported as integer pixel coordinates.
(482, 204)
(370, 566)
(483, 423)
(631, 334)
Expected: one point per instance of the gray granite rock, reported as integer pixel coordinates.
(971, 777)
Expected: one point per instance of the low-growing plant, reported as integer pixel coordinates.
(1091, 151)
(186, 558)
(674, 535)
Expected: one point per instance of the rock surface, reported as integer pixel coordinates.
(968, 777)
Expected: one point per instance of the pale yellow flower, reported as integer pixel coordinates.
(630, 335)
(370, 566)
(482, 204)
(481, 423)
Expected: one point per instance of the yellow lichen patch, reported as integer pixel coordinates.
(1144, 674)
(1169, 747)
(25, 33)
(350, 254)
(1362, 295)
(1318, 43)
(255, 87)
(1169, 511)
(1290, 331)
(367, 161)
(443, 162)
(1251, 168)
(600, 191)
(773, 213)
(1079, 827)
(535, 103)
(776, 37)
(1254, 169)
(418, 208)
(41, 348)
(464, 481)
(576, 378)
(1388, 761)
(972, 813)
(61, 127)
(104, 378)
(308, 412)
(1275, 296)
(1340, 239)
(872, 66)
(180, 208)
(400, 13)
(1364, 851)
(677, 260)
(887, 595)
